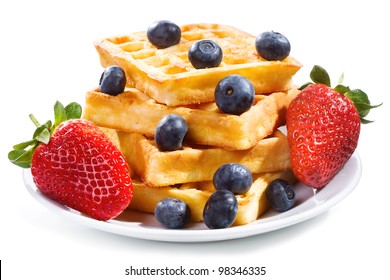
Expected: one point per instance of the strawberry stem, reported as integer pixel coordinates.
(34, 120)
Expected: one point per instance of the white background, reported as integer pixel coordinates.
(47, 55)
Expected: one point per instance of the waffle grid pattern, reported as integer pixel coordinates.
(238, 49)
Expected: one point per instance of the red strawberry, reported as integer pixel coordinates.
(323, 127)
(78, 166)
(323, 130)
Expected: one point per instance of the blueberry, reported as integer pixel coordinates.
(272, 45)
(170, 133)
(205, 54)
(281, 195)
(163, 34)
(112, 80)
(172, 213)
(220, 210)
(234, 94)
(233, 177)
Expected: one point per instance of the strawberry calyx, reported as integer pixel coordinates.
(21, 154)
(359, 98)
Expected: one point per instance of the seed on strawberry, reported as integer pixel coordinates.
(323, 127)
(74, 163)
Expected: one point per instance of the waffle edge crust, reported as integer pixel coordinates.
(250, 205)
(191, 164)
(135, 112)
(167, 76)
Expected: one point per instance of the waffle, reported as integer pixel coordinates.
(133, 111)
(250, 205)
(194, 164)
(167, 76)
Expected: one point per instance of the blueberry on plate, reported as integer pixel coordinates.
(233, 177)
(112, 80)
(220, 210)
(281, 195)
(172, 213)
(170, 133)
(163, 34)
(234, 94)
(205, 54)
(272, 45)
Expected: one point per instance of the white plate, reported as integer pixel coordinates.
(310, 203)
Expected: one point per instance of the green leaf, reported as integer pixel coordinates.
(21, 158)
(364, 121)
(48, 124)
(319, 75)
(42, 133)
(358, 95)
(24, 145)
(342, 89)
(59, 113)
(43, 136)
(361, 102)
(73, 111)
(305, 85)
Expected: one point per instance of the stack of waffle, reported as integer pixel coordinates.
(163, 81)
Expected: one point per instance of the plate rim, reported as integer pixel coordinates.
(257, 227)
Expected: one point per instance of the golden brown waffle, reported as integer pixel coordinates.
(167, 75)
(250, 205)
(133, 111)
(194, 164)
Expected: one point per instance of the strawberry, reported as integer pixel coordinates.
(323, 127)
(74, 163)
